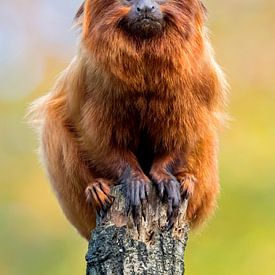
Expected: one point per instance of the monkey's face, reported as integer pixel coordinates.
(144, 18)
(141, 18)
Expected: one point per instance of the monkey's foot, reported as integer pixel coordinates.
(187, 185)
(137, 191)
(98, 194)
(169, 190)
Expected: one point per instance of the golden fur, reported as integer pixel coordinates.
(119, 89)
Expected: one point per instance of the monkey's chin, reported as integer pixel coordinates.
(145, 28)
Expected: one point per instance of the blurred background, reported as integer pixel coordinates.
(37, 42)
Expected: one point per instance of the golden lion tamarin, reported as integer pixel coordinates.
(141, 101)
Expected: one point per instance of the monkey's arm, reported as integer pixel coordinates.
(123, 167)
(190, 174)
(69, 171)
(167, 185)
(106, 137)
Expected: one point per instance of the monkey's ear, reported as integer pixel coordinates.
(79, 15)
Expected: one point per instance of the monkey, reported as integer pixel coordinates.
(142, 101)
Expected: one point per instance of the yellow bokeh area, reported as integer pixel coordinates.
(37, 42)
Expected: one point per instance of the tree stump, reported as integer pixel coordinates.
(117, 246)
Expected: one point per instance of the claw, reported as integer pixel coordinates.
(144, 199)
(143, 210)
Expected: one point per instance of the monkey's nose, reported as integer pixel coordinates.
(144, 7)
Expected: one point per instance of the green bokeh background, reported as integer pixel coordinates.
(35, 238)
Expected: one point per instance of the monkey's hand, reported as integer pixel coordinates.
(169, 190)
(98, 194)
(137, 190)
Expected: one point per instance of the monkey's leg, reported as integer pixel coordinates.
(198, 177)
(167, 185)
(70, 176)
(124, 166)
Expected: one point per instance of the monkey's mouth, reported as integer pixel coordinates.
(144, 27)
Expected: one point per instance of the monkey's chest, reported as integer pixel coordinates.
(161, 124)
(153, 123)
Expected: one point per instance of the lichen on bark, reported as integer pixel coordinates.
(117, 246)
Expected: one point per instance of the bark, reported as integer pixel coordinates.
(117, 246)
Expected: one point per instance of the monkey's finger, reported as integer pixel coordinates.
(144, 200)
(144, 206)
(147, 191)
(168, 189)
(102, 200)
(136, 186)
(140, 202)
(106, 190)
(107, 203)
(169, 208)
(170, 223)
(129, 191)
(99, 194)
(142, 192)
(133, 200)
(172, 191)
(176, 194)
(97, 200)
(160, 188)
